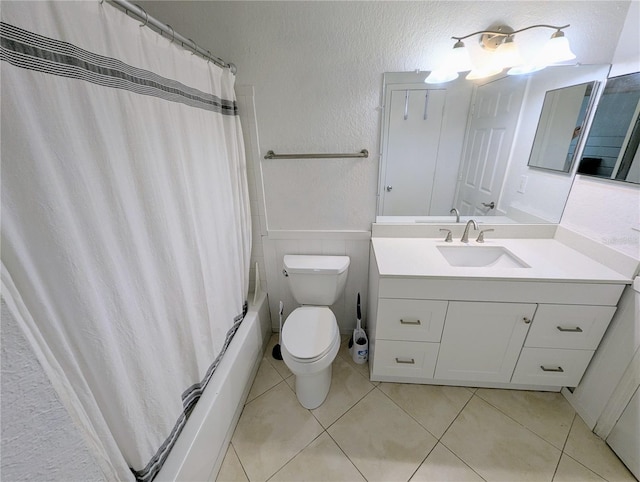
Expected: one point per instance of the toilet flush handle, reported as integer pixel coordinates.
(284, 272)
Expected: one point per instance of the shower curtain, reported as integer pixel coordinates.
(125, 220)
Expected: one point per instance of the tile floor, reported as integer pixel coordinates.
(370, 431)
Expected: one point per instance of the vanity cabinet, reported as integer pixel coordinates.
(492, 333)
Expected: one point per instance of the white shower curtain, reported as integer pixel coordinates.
(125, 220)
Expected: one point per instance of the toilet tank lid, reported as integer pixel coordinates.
(296, 263)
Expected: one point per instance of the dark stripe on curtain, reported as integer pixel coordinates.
(189, 399)
(31, 51)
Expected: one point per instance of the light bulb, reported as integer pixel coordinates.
(507, 54)
(440, 76)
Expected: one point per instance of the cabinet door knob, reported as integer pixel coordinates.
(526, 320)
(409, 322)
(411, 361)
(555, 369)
(577, 329)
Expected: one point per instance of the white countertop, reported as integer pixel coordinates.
(549, 260)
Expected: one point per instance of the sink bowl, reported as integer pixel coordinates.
(481, 257)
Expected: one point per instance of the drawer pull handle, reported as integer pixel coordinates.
(558, 369)
(406, 322)
(577, 329)
(526, 320)
(407, 362)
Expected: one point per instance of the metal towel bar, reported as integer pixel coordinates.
(272, 155)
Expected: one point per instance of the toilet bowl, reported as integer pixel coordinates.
(310, 343)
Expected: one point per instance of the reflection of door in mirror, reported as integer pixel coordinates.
(490, 134)
(611, 149)
(414, 123)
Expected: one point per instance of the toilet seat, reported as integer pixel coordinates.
(309, 333)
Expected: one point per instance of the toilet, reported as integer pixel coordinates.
(310, 334)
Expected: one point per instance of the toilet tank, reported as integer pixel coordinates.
(316, 280)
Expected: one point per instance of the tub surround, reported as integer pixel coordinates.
(532, 327)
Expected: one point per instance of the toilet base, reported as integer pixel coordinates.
(313, 389)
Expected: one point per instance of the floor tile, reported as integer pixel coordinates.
(592, 452)
(362, 368)
(347, 388)
(231, 469)
(267, 377)
(279, 365)
(571, 471)
(381, 440)
(442, 465)
(433, 406)
(272, 429)
(547, 414)
(321, 460)
(497, 447)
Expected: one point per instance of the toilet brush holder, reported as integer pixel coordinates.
(360, 352)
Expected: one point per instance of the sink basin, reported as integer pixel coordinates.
(481, 257)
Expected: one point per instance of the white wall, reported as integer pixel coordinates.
(546, 191)
(317, 70)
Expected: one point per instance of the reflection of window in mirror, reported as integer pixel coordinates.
(560, 127)
(611, 150)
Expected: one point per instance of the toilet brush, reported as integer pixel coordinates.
(277, 352)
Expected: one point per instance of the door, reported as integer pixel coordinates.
(482, 340)
(414, 120)
(492, 127)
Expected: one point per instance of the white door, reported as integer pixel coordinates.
(482, 340)
(414, 120)
(492, 127)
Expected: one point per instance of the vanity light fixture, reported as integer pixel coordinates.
(505, 55)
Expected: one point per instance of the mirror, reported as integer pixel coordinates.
(561, 126)
(611, 150)
(436, 154)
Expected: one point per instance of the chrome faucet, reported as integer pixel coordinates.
(457, 213)
(465, 235)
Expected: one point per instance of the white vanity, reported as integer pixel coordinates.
(513, 312)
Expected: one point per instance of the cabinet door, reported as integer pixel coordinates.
(482, 341)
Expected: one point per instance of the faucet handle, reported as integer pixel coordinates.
(481, 235)
(449, 238)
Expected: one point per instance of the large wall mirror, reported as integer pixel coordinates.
(611, 150)
(468, 145)
(560, 127)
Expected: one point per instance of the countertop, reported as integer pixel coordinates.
(549, 260)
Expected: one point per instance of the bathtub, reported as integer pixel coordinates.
(201, 447)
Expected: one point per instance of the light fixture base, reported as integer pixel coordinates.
(490, 41)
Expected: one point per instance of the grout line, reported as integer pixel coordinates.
(296, 454)
(345, 454)
(447, 429)
(520, 423)
(453, 421)
(239, 461)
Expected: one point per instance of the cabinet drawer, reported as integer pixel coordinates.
(551, 366)
(405, 358)
(569, 326)
(411, 320)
